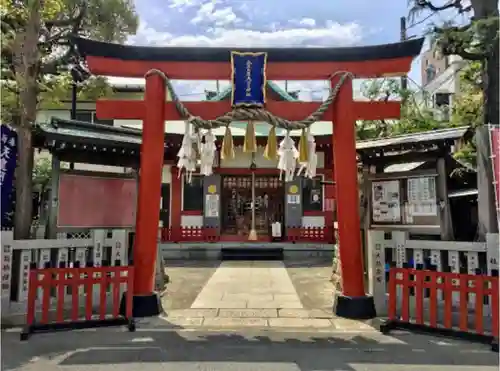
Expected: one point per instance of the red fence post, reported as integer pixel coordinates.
(60, 278)
(448, 283)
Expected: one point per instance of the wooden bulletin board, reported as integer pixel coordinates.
(404, 199)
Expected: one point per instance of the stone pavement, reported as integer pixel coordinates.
(253, 285)
(260, 294)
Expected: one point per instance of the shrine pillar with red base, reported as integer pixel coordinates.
(146, 302)
(353, 303)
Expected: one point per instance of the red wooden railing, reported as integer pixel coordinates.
(310, 234)
(211, 234)
(190, 234)
(58, 279)
(407, 282)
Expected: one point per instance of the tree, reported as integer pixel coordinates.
(36, 53)
(468, 109)
(415, 117)
(476, 41)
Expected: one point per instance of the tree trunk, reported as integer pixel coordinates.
(26, 65)
(492, 84)
(24, 181)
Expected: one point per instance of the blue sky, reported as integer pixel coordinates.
(254, 23)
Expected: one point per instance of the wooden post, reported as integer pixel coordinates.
(353, 303)
(146, 302)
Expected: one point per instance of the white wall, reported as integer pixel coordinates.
(447, 82)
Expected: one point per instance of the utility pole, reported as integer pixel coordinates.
(404, 79)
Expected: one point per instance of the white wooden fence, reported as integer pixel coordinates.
(97, 247)
(394, 248)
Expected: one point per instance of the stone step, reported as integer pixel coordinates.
(263, 253)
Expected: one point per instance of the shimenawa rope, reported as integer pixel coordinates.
(242, 113)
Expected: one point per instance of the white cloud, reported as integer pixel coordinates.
(309, 22)
(183, 4)
(332, 35)
(215, 17)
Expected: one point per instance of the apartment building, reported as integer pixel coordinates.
(440, 80)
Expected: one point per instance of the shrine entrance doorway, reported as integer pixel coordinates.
(236, 200)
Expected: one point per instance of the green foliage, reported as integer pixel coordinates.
(42, 172)
(105, 20)
(468, 105)
(37, 52)
(415, 117)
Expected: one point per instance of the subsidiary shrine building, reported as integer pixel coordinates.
(97, 186)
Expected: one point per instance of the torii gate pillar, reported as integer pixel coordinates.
(146, 302)
(353, 303)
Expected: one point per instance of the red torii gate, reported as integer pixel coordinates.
(282, 64)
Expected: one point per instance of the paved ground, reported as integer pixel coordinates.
(244, 316)
(187, 279)
(260, 294)
(152, 349)
(253, 285)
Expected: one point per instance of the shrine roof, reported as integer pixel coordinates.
(87, 47)
(409, 141)
(78, 131)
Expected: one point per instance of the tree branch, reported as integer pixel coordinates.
(72, 21)
(52, 67)
(457, 4)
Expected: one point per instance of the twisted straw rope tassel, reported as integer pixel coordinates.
(252, 113)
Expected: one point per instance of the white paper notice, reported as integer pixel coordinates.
(211, 206)
(386, 201)
(422, 196)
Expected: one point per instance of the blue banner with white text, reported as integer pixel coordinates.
(8, 158)
(248, 78)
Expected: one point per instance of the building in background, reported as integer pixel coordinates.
(440, 76)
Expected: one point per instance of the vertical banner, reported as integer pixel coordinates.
(495, 161)
(248, 78)
(8, 156)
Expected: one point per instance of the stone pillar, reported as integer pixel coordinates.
(52, 208)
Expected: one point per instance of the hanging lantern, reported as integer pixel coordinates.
(227, 150)
(250, 141)
(271, 150)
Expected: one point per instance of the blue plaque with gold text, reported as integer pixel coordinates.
(248, 78)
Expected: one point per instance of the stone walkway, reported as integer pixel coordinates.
(249, 285)
(259, 294)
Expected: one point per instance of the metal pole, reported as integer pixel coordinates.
(253, 232)
(404, 79)
(74, 91)
(253, 200)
